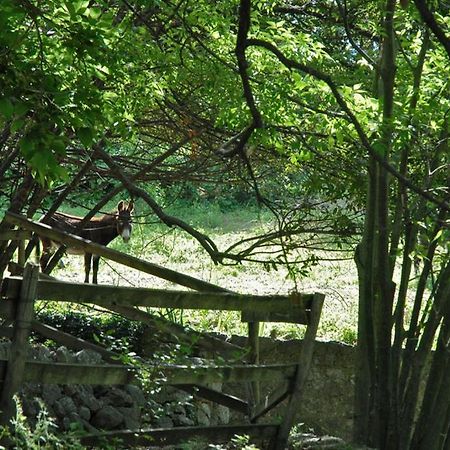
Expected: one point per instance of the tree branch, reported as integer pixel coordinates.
(170, 221)
(360, 50)
(241, 45)
(429, 19)
(315, 73)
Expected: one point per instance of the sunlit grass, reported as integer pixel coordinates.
(176, 250)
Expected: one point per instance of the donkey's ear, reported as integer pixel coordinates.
(120, 206)
(130, 206)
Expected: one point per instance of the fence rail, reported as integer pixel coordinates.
(103, 295)
(17, 304)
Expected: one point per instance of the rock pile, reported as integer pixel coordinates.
(111, 407)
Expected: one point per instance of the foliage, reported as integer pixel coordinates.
(334, 113)
(115, 332)
(41, 436)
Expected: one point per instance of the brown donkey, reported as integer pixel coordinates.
(101, 230)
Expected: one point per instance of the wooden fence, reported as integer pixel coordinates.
(18, 295)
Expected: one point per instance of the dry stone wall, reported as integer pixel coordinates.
(327, 405)
(97, 408)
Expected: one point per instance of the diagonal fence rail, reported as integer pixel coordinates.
(18, 293)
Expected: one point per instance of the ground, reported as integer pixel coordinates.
(176, 250)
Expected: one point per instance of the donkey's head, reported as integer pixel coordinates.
(124, 226)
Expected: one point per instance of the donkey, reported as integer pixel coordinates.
(101, 230)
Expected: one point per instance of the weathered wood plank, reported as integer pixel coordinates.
(304, 363)
(16, 269)
(298, 315)
(74, 241)
(253, 358)
(230, 401)
(15, 367)
(160, 437)
(72, 341)
(299, 312)
(270, 401)
(21, 253)
(233, 374)
(15, 235)
(61, 373)
(105, 295)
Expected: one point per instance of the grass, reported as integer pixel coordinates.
(175, 249)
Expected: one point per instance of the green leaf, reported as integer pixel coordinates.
(81, 6)
(59, 146)
(21, 109)
(94, 12)
(6, 108)
(437, 236)
(17, 125)
(27, 146)
(86, 136)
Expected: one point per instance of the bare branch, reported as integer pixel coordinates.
(241, 45)
(170, 221)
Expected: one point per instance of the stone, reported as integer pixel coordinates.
(117, 397)
(88, 357)
(72, 422)
(41, 353)
(84, 396)
(136, 394)
(164, 422)
(31, 407)
(222, 414)
(63, 355)
(51, 393)
(70, 389)
(64, 407)
(180, 418)
(131, 417)
(182, 397)
(184, 421)
(32, 390)
(107, 418)
(204, 415)
(85, 413)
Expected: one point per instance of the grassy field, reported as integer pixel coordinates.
(175, 249)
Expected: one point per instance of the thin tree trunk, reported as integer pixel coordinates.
(436, 398)
(16, 206)
(421, 355)
(365, 350)
(384, 285)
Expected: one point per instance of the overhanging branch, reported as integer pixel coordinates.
(315, 73)
(170, 221)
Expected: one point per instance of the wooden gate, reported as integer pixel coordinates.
(17, 304)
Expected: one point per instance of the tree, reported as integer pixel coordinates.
(405, 201)
(343, 100)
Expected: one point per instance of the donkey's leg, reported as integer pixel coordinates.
(95, 263)
(87, 266)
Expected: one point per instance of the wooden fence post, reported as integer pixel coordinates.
(19, 346)
(301, 374)
(21, 252)
(253, 357)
